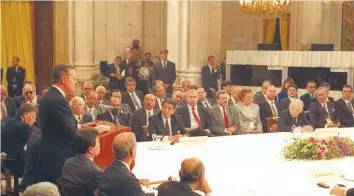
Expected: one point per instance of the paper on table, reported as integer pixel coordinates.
(329, 175)
(123, 73)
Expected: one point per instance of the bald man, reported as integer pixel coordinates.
(117, 179)
(140, 118)
(192, 175)
(8, 105)
(294, 117)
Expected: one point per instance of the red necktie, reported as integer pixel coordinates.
(196, 117)
(226, 119)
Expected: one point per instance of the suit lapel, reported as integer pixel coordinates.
(218, 113)
(161, 124)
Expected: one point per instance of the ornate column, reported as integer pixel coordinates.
(83, 39)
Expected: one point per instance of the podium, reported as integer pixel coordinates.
(106, 156)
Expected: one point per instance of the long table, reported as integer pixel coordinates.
(243, 165)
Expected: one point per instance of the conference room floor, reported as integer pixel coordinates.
(244, 165)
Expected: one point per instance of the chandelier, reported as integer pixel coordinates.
(265, 9)
(334, 3)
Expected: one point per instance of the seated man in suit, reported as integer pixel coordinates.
(167, 123)
(8, 104)
(90, 105)
(80, 174)
(192, 175)
(101, 103)
(322, 112)
(140, 118)
(179, 97)
(86, 88)
(224, 117)
(328, 87)
(294, 117)
(292, 95)
(260, 96)
(339, 191)
(132, 97)
(117, 179)
(117, 113)
(29, 95)
(195, 118)
(344, 107)
(203, 100)
(310, 96)
(268, 108)
(165, 86)
(160, 94)
(186, 86)
(77, 106)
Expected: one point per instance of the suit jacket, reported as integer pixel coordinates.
(19, 78)
(176, 189)
(10, 106)
(80, 172)
(217, 119)
(203, 116)
(58, 126)
(259, 98)
(167, 74)
(284, 104)
(265, 111)
(245, 117)
(209, 80)
(307, 100)
(317, 114)
(139, 119)
(345, 115)
(157, 125)
(115, 83)
(126, 98)
(123, 117)
(286, 121)
(117, 180)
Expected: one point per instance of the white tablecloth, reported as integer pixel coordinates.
(243, 165)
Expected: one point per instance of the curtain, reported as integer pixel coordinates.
(284, 24)
(17, 36)
(269, 31)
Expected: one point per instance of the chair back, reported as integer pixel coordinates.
(272, 124)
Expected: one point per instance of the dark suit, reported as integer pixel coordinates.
(307, 100)
(345, 115)
(203, 116)
(17, 78)
(284, 104)
(317, 114)
(139, 119)
(114, 83)
(58, 126)
(157, 125)
(80, 172)
(126, 98)
(211, 102)
(265, 111)
(167, 75)
(11, 108)
(209, 80)
(286, 121)
(176, 189)
(123, 116)
(117, 180)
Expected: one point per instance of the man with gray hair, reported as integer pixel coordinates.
(192, 175)
(42, 189)
(29, 95)
(294, 117)
(117, 179)
(77, 106)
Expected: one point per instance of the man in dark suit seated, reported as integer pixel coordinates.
(167, 123)
(117, 179)
(192, 175)
(29, 96)
(260, 96)
(328, 87)
(132, 97)
(15, 131)
(165, 71)
(86, 88)
(160, 95)
(186, 86)
(8, 105)
(294, 117)
(210, 75)
(196, 119)
(344, 107)
(322, 112)
(292, 95)
(339, 191)
(179, 97)
(165, 86)
(15, 77)
(115, 68)
(117, 113)
(268, 108)
(140, 118)
(80, 173)
(203, 101)
(310, 96)
(77, 106)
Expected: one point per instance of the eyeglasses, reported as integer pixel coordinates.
(28, 92)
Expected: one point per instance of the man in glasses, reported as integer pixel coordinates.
(29, 95)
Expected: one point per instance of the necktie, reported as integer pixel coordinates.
(3, 110)
(226, 119)
(117, 68)
(350, 107)
(167, 129)
(135, 101)
(116, 120)
(326, 110)
(80, 120)
(274, 110)
(164, 64)
(148, 116)
(295, 121)
(207, 104)
(196, 117)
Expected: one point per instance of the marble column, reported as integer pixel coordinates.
(83, 58)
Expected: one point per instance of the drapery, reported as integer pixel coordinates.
(284, 24)
(17, 36)
(269, 31)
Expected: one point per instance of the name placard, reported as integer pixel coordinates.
(324, 175)
(327, 132)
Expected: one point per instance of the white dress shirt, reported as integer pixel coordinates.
(193, 121)
(59, 89)
(147, 115)
(159, 101)
(132, 96)
(164, 63)
(169, 123)
(77, 117)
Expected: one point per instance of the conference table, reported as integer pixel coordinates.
(244, 165)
